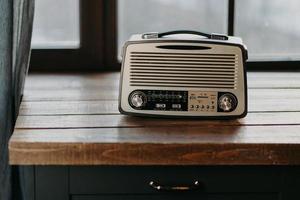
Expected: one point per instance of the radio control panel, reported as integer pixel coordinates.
(189, 101)
(203, 101)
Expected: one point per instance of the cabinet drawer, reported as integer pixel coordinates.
(246, 196)
(135, 180)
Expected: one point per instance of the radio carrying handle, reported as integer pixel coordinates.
(213, 36)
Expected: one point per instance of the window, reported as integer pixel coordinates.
(136, 16)
(90, 33)
(270, 28)
(69, 35)
(56, 24)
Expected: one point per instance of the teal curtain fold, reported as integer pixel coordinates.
(6, 96)
(23, 23)
(16, 19)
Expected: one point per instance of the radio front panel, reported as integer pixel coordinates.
(167, 82)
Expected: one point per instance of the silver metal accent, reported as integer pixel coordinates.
(227, 102)
(150, 35)
(138, 99)
(156, 186)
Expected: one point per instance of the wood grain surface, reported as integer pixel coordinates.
(72, 119)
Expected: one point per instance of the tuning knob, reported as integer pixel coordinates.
(137, 99)
(227, 102)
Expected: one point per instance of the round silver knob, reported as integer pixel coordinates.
(137, 99)
(227, 102)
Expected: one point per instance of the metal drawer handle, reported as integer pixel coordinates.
(159, 187)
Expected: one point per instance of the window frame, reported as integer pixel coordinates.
(98, 39)
(95, 43)
(260, 65)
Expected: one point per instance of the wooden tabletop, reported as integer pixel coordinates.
(72, 119)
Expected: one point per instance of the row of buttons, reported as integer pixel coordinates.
(202, 106)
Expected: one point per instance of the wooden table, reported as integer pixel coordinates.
(69, 120)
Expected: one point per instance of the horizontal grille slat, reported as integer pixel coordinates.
(183, 72)
(183, 62)
(182, 83)
(182, 57)
(188, 76)
(190, 86)
(182, 80)
(195, 70)
(181, 69)
(168, 53)
(184, 66)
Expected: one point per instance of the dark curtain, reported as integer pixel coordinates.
(6, 89)
(16, 19)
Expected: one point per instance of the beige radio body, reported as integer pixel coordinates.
(184, 77)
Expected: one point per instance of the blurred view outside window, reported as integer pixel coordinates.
(56, 24)
(270, 28)
(139, 16)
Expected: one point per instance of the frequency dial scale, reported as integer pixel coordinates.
(190, 101)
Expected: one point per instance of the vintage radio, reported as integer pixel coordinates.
(184, 74)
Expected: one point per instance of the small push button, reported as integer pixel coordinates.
(160, 105)
(176, 106)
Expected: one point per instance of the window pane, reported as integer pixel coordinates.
(270, 28)
(56, 24)
(138, 16)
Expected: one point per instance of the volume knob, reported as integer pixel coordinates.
(227, 102)
(137, 99)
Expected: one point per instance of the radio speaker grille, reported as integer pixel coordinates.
(195, 70)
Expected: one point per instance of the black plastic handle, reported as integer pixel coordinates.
(156, 186)
(210, 36)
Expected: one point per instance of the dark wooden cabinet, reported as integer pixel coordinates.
(132, 182)
(183, 197)
(135, 180)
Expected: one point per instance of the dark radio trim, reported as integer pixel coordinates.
(183, 47)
